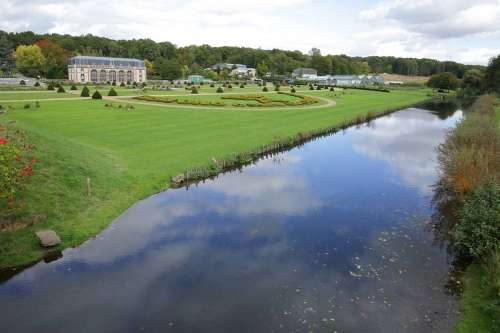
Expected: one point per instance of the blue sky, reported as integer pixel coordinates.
(461, 30)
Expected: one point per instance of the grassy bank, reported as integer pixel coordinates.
(128, 155)
(469, 195)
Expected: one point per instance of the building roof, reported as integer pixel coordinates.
(307, 71)
(106, 61)
(228, 66)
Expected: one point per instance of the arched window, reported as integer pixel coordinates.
(129, 76)
(112, 76)
(102, 76)
(93, 75)
(121, 76)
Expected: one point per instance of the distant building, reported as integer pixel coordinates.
(304, 73)
(341, 80)
(105, 69)
(196, 79)
(230, 67)
(246, 72)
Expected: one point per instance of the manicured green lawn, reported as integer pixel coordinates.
(33, 95)
(129, 155)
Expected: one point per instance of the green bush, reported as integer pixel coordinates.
(37, 84)
(97, 95)
(242, 86)
(73, 87)
(50, 86)
(212, 85)
(61, 89)
(85, 92)
(112, 92)
(113, 83)
(230, 86)
(220, 90)
(277, 87)
(122, 84)
(311, 87)
(265, 89)
(293, 91)
(478, 230)
(194, 90)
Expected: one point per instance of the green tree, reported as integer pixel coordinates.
(473, 79)
(30, 59)
(492, 75)
(445, 80)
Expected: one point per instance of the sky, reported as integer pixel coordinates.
(460, 30)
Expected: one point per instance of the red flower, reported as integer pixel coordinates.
(3, 141)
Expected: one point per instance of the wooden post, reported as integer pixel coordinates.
(89, 190)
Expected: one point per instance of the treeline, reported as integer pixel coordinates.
(167, 61)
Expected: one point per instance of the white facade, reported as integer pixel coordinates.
(87, 69)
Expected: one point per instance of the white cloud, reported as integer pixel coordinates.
(421, 28)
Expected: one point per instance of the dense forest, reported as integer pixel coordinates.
(167, 61)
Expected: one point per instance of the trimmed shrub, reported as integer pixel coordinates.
(230, 86)
(318, 87)
(277, 87)
(122, 84)
(73, 87)
(61, 90)
(220, 90)
(478, 230)
(50, 86)
(265, 89)
(128, 83)
(212, 85)
(113, 83)
(194, 90)
(97, 95)
(37, 84)
(85, 92)
(242, 86)
(293, 91)
(112, 92)
(311, 87)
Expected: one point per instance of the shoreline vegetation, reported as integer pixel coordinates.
(128, 156)
(467, 198)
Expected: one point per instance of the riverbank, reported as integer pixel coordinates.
(129, 155)
(468, 195)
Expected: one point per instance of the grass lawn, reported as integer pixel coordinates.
(129, 155)
(32, 95)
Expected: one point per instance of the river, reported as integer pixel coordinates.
(330, 236)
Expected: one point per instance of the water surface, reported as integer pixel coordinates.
(326, 237)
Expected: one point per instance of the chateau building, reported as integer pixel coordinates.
(105, 69)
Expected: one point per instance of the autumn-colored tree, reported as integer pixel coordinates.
(30, 60)
(56, 59)
(149, 67)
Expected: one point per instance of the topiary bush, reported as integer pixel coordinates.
(293, 91)
(122, 84)
(311, 87)
(212, 85)
(242, 86)
(265, 89)
(478, 229)
(61, 89)
(220, 90)
(277, 87)
(73, 87)
(85, 92)
(112, 92)
(37, 84)
(96, 95)
(194, 90)
(230, 86)
(50, 86)
(113, 83)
